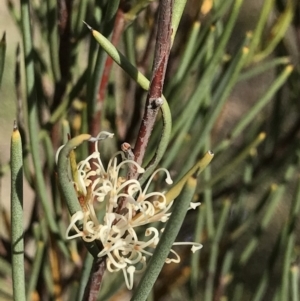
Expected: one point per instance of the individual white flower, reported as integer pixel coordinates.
(124, 246)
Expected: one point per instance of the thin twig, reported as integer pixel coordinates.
(95, 280)
(154, 97)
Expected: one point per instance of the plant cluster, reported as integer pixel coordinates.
(172, 79)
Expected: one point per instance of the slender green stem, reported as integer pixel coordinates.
(166, 241)
(108, 24)
(294, 282)
(238, 292)
(236, 161)
(210, 70)
(263, 67)
(220, 9)
(219, 98)
(259, 105)
(208, 199)
(225, 276)
(136, 8)
(178, 8)
(32, 121)
(93, 50)
(288, 257)
(71, 92)
(212, 268)
(261, 287)
(129, 41)
(278, 31)
(274, 198)
(53, 38)
(36, 269)
(186, 57)
(195, 260)
(88, 262)
(257, 35)
(80, 16)
(17, 235)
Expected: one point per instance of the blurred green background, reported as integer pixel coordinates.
(253, 254)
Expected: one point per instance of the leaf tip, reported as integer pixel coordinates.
(262, 136)
(289, 68)
(211, 153)
(15, 128)
(3, 40)
(88, 26)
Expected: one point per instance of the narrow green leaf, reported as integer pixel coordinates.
(178, 8)
(17, 232)
(212, 265)
(278, 31)
(166, 241)
(260, 27)
(261, 103)
(32, 104)
(36, 269)
(295, 282)
(53, 38)
(236, 161)
(107, 28)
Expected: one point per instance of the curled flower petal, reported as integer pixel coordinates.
(194, 205)
(176, 259)
(125, 247)
(79, 216)
(196, 247)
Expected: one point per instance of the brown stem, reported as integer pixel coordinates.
(154, 101)
(93, 286)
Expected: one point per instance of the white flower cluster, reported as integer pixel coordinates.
(124, 249)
